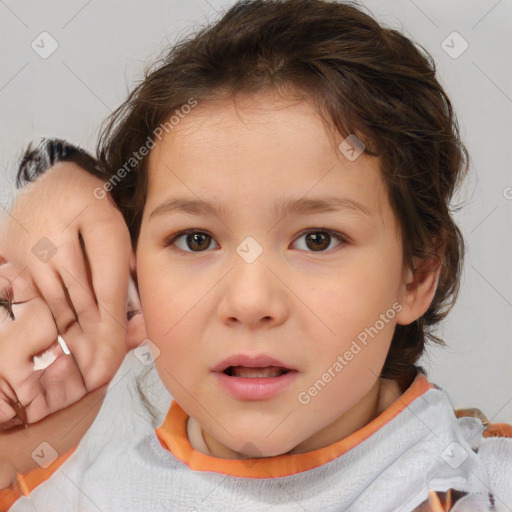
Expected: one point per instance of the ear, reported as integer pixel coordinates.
(136, 328)
(135, 331)
(418, 289)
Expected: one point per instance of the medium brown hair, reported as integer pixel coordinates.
(364, 79)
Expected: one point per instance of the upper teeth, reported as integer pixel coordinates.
(242, 371)
(44, 360)
(63, 345)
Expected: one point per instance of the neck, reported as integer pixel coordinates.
(380, 396)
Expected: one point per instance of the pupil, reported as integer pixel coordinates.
(197, 240)
(317, 238)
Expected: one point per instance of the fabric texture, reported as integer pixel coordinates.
(124, 464)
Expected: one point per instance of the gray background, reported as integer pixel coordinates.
(105, 45)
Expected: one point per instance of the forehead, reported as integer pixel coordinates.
(259, 148)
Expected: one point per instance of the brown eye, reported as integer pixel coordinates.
(192, 241)
(199, 241)
(320, 240)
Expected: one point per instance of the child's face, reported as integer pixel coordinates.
(304, 300)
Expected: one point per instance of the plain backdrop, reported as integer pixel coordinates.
(104, 46)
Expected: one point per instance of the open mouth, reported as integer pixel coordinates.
(246, 372)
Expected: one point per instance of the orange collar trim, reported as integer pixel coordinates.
(172, 435)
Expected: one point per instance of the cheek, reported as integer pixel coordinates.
(162, 299)
(171, 313)
(348, 308)
(352, 301)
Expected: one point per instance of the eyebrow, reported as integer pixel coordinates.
(302, 206)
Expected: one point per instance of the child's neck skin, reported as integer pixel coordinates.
(299, 302)
(377, 400)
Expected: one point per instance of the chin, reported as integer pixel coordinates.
(257, 449)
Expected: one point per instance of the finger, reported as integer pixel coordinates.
(108, 249)
(98, 368)
(56, 387)
(73, 267)
(56, 384)
(96, 356)
(51, 288)
(7, 415)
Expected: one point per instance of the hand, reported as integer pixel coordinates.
(27, 328)
(30, 389)
(75, 255)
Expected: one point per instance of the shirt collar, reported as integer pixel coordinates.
(173, 436)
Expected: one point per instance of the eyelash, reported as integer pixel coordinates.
(7, 302)
(338, 236)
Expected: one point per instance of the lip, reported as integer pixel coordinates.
(255, 388)
(59, 370)
(255, 361)
(58, 366)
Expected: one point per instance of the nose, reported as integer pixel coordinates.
(253, 295)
